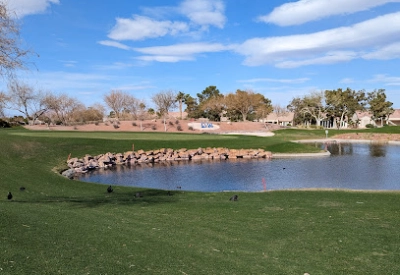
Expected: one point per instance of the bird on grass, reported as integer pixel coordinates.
(109, 189)
(9, 196)
(234, 198)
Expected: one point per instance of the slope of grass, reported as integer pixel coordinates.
(59, 226)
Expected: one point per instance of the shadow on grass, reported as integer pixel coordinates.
(146, 197)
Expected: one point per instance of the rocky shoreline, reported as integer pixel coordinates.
(89, 162)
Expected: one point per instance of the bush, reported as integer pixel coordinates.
(154, 127)
(116, 126)
(179, 128)
(134, 124)
(191, 128)
(176, 122)
(369, 126)
(170, 123)
(96, 123)
(4, 124)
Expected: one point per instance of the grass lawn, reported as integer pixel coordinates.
(59, 226)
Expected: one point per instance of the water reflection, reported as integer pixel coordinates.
(351, 166)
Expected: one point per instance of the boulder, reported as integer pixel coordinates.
(70, 173)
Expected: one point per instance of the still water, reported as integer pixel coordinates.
(351, 166)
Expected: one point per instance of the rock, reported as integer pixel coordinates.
(70, 173)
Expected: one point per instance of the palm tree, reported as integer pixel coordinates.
(180, 98)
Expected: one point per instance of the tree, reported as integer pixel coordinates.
(209, 93)
(265, 108)
(341, 104)
(3, 103)
(119, 101)
(61, 108)
(192, 107)
(379, 106)
(142, 114)
(24, 99)
(11, 54)
(244, 102)
(180, 98)
(165, 101)
(312, 105)
(214, 107)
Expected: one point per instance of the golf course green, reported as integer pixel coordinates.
(54, 225)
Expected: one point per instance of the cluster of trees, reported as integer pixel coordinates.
(240, 105)
(339, 106)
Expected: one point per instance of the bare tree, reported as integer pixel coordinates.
(24, 99)
(3, 103)
(11, 54)
(120, 102)
(62, 107)
(165, 101)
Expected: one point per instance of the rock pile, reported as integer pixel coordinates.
(88, 162)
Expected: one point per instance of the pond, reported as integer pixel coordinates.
(350, 166)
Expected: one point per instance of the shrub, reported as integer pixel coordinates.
(106, 123)
(179, 128)
(4, 124)
(191, 128)
(170, 123)
(134, 124)
(96, 123)
(154, 127)
(369, 126)
(116, 126)
(176, 122)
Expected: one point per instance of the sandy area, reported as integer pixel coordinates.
(186, 126)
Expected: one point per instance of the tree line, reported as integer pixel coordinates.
(339, 106)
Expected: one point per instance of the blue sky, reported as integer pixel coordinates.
(280, 49)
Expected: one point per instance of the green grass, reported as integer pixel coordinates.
(59, 226)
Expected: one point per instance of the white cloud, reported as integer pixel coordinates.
(347, 80)
(26, 7)
(178, 52)
(204, 12)
(295, 13)
(386, 80)
(273, 80)
(114, 44)
(142, 27)
(325, 47)
(329, 58)
(388, 52)
(165, 58)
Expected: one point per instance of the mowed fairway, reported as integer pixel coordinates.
(60, 226)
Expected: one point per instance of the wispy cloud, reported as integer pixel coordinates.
(387, 52)
(26, 7)
(386, 80)
(296, 13)
(325, 47)
(273, 80)
(178, 52)
(347, 80)
(115, 44)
